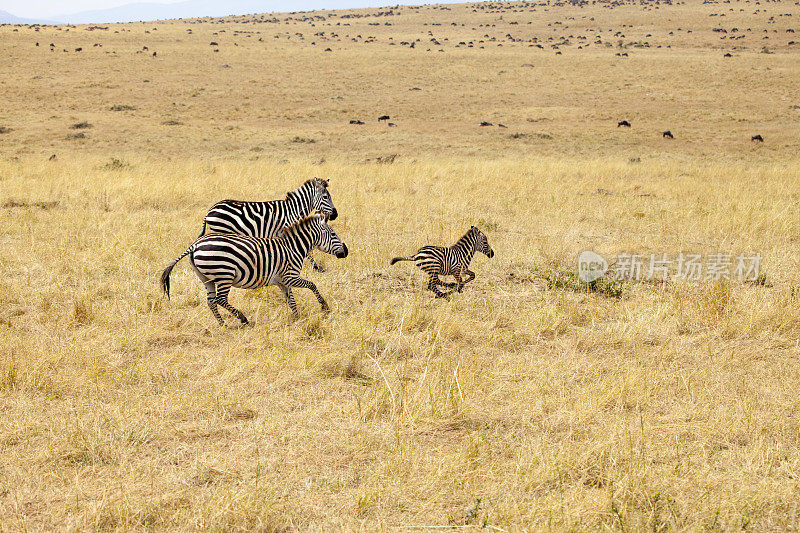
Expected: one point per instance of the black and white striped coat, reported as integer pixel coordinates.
(222, 261)
(266, 219)
(450, 261)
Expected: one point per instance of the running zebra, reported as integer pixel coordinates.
(266, 219)
(453, 261)
(222, 261)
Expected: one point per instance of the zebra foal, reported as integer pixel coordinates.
(266, 219)
(452, 261)
(222, 261)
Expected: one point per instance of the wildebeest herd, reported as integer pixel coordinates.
(667, 134)
(256, 244)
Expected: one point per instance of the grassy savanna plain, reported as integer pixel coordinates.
(522, 403)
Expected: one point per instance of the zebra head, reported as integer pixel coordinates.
(322, 201)
(329, 242)
(482, 243)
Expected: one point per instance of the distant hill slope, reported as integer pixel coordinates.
(146, 11)
(8, 18)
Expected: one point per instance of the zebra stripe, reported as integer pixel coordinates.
(223, 261)
(453, 261)
(266, 219)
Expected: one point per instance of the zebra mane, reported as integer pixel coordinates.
(297, 191)
(293, 228)
(469, 240)
(308, 183)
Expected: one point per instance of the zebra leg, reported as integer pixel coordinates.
(287, 292)
(315, 265)
(304, 283)
(450, 285)
(222, 299)
(433, 284)
(235, 312)
(471, 275)
(211, 298)
(211, 290)
(459, 282)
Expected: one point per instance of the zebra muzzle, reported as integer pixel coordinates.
(343, 253)
(333, 214)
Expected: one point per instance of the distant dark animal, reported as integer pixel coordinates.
(357, 122)
(223, 261)
(79, 49)
(484, 123)
(52, 157)
(667, 135)
(728, 55)
(213, 43)
(37, 44)
(392, 125)
(383, 117)
(154, 54)
(757, 138)
(453, 261)
(624, 123)
(502, 126)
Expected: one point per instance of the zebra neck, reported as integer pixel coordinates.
(465, 248)
(300, 201)
(303, 240)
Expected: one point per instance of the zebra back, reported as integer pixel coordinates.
(266, 219)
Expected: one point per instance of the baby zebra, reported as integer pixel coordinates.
(222, 261)
(266, 219)
(453, 261)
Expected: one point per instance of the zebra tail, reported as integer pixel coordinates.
(167, 271)
(398, 259)
(203, 231)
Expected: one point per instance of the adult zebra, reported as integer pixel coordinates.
(451, 261)
(222, 261)
(266, 219)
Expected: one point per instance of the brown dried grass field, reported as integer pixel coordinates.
(522, 403)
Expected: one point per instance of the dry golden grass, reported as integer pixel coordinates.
(513, 405)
